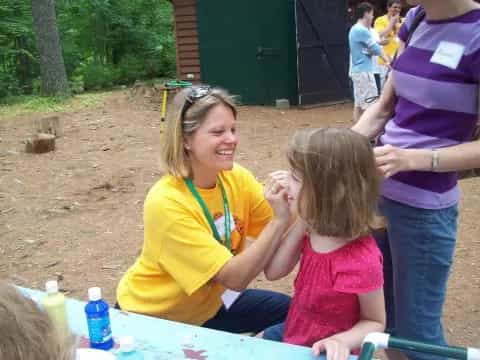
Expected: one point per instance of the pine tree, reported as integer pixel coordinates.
(52, 68)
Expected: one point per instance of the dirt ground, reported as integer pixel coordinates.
(76, 214)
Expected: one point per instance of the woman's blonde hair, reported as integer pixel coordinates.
(27, 331)
(340, 181)
(174, 158)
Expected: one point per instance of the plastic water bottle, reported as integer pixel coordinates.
(128, 350)
(54, 305)
(98, 320)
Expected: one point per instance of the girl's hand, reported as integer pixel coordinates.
(391, 160)
(335, 349)
(276, 194)
(281, 177)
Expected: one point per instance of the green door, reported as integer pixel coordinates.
(248, 47)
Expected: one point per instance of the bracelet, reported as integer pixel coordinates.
(435, 160)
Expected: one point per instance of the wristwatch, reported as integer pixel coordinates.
(435, 160)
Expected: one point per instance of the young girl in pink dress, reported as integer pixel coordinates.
(333, 186)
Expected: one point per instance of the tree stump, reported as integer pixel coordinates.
(138, 88)
(145, 90)
(40, 143)
(49, 125)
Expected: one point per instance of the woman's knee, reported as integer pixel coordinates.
(274, 333)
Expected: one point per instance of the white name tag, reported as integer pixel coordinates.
(220, 225)
(448, 54)
(229, 297)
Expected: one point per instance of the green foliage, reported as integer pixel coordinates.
(97, 76)
(18, 63)
(77, 84)
(104, 43)
(8, 85)
(132, 68)
(13, 106)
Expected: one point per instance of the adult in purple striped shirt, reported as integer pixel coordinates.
(426, 116)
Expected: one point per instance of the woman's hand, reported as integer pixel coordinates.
(383, 41)
(276, 194)
(335, 349)
(391, 160)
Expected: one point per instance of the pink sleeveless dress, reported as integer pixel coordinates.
(327, 287)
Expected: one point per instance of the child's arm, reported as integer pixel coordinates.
(372, 319)
(288, 253)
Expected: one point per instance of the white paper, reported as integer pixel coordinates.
(220, 225)
(448, 54)
(229, 297)
(93, 354)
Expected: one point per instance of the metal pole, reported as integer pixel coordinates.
(444, 351)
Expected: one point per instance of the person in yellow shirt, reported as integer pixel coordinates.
(388, 26)
(194, 266)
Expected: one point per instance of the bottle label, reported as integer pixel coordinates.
(58, 317)
(99, 330)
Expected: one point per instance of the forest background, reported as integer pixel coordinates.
(104, 43)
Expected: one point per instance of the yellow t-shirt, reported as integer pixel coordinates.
(391, 47)
(180, 255)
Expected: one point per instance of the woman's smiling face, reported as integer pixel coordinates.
(211, 147)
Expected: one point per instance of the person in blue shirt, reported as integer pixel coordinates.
(362, 48)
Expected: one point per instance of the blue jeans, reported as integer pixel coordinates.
(254, 311)
(418, 254)
(275, 332)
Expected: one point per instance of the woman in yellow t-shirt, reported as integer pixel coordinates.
(387, 27)
(194, 266)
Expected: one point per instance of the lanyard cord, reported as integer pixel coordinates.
(208, 215)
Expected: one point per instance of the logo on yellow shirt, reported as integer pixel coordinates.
(238, 231)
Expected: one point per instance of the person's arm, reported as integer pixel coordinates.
(380, 42)
(373, 120)
(372, 319)
(391, 159)
(385, 31)
(288, 253)
(241, 269)
(385, 58)
(383, 41)
(373, 47)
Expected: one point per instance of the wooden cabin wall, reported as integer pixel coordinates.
(188, 54)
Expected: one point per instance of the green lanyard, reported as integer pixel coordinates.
(208, 215)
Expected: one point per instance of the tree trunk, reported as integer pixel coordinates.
(52, 68)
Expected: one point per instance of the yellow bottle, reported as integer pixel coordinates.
(54, 305)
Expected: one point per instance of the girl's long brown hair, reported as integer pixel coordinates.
(341, 183)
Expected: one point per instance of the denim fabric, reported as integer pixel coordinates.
(254, 311)
(275, 332)
(418, 254)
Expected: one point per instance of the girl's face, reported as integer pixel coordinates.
(294, 186)
(212, 146)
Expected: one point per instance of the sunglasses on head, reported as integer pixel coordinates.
(196, 93)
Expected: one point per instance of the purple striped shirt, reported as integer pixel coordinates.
(437, 105)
